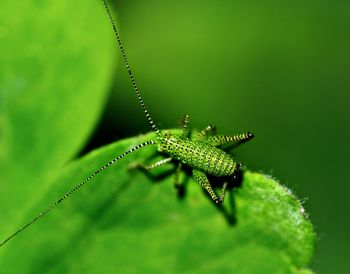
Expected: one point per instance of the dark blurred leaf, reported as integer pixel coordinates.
(126, 222)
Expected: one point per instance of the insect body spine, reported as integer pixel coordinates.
(201, 153)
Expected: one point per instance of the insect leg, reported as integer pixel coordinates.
(201, 178)
(218, 140)
(204, 132)
(223, 192)
(177, 183)
(185, 122)
(151, 166)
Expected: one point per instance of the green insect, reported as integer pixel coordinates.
(201, 152)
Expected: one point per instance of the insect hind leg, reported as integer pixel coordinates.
(202, 179)
(177, 183)
(218, 140)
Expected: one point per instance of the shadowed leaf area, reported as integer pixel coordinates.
(125, 221)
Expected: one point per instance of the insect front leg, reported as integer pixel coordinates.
(201, 178)
(218, 140)
(223, 192)
(185, 122)
(151, 166)
(203, 134)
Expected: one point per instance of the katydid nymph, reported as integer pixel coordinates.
(200, 152)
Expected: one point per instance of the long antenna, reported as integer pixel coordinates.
(78, 186)
(153, 125)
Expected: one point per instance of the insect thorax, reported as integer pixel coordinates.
(197, 154)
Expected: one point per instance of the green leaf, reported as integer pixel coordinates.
(52, 86)
(127, 222)
(55, 70)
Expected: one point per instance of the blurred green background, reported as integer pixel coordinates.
(278, 68)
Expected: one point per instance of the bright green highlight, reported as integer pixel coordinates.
(56, 65)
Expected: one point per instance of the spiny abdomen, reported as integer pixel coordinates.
(198, 155)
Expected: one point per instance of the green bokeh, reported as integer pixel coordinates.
(279, 69)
